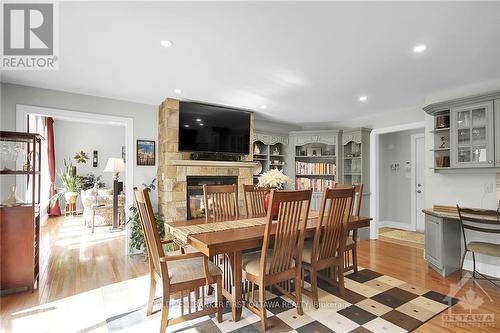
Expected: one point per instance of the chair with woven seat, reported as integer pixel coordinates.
(481, 247)
(221, 202)
(254, 200)
(279, 261)
(326, 251)
(183, 275)
(351, 248)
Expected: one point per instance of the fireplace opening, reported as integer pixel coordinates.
(195, 205)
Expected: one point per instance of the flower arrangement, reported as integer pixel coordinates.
(273, 178)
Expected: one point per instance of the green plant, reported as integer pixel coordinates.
(88, 181)
(68, 177)
(137, 241)
(69, 180)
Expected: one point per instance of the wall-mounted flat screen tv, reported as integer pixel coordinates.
(214, 129)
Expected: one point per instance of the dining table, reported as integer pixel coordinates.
(232, 242)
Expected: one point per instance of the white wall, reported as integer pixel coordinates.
(145, 116)
(395, 186)
(71, 137)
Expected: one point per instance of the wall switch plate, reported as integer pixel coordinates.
(488, 188)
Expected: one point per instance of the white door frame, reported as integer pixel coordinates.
(22, 111)
(374, 170)
(413, 179)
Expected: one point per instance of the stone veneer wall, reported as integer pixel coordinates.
(172, 203)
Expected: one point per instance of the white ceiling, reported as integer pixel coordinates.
(308, 62)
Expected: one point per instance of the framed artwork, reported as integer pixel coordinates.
(146, 152)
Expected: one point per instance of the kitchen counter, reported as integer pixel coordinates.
(443, 235)
(491, 215)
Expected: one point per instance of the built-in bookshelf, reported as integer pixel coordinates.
(269, 151)
(441, 131)
(315, 159)
(356, 156)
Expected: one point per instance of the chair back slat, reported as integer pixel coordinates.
(151, 234)
(221, 202)
(469, 221)
(358, 196)
(254, 201)
(289, 230)
(331, 233)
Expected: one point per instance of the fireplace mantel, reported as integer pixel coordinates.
(213, 164)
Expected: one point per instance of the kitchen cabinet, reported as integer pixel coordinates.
(471, 133)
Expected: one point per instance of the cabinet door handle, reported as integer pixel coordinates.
(490, 162)
(498, 161)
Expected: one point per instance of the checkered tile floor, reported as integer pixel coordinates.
(373, 303)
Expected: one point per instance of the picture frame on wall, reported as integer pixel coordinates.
(146, 153)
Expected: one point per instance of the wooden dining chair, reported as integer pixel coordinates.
(221, 202)
(279, 261)
(326, 251)
(481, 247)
(254, 201)
(186, 274)
(351, 249)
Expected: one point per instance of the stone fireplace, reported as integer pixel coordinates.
(194, 197)
(175, 167)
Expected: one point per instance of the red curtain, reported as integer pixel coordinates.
(51, 155)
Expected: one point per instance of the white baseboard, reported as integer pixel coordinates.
(483, 268)
(397, 225)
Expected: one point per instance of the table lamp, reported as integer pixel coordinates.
(115, 165)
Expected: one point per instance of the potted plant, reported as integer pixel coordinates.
(272, 179)
(137, 241)
(69, 180)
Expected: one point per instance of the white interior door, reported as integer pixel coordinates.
(419, 180)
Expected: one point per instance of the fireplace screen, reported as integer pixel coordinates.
(195, 204)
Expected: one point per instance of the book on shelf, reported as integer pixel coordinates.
(304, 168)
(317, 185)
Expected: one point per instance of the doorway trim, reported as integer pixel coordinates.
(375, 168)
(414, 178)
(22, 111)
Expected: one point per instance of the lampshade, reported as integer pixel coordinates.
(114, 165)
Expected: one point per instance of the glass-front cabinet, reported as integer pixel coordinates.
(472, 136)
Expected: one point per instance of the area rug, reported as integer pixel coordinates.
(373, 303)
(402, 237)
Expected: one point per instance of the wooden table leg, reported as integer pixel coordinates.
(237, 291)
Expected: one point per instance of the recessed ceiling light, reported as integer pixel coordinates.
(186, 125)
(363, 98)
(166, 43)
(198, 119)
(420, 48)
(201, 124)
(263, 106)
(177, 91)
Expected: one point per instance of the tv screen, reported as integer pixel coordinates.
(215, 129)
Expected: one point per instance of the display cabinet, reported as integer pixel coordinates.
(471, 135)
(20, 170)
(270, 151)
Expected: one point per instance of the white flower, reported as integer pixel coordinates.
(273, 178)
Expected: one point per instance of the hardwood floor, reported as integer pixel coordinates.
(408, 264)
(73, 262)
